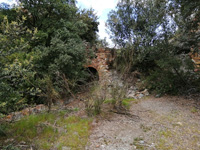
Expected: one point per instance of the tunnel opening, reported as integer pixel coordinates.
(92, 74)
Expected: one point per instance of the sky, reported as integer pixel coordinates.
(101, 7)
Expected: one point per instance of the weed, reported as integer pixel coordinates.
(126, 102)
(163, 145)
(93, 106)
(194, 110)
(145, 128)
(138, 139)
(109, 101)
(95, 100)
(137, 144)
(167, 133)
(76, 109)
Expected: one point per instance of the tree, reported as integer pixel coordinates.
(7, 10)
(41, 50)
(47, 17)
(66, 53)
(90, 19)
(144, 31)
(187, 18)
(142, 25)
(16, 74)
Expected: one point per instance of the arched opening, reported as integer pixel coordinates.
(92, 74)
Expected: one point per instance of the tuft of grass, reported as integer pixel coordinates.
(127, 102)
(109, 101)
(93, 106)
(137, 144)
(76, 109)
(145, 128)
(163, 145)
(194, 110)
(165, 133)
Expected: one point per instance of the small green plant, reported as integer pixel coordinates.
(163, 145)
(95, 99)
(109, 101)
(118, 95)
(145, 128)
(93, 106)
(76, 109)
(165, 133)
(138, 139)
(127, 102)
(194, 110)
(136, 142)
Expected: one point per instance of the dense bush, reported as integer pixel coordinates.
(42, 51)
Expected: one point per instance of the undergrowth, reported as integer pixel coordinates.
(47, 131)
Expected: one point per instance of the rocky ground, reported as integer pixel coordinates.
(167, 123)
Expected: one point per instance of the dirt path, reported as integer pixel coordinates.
(166, 123)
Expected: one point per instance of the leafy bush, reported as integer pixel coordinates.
(172, 75)
(36, 47)
(150, 37)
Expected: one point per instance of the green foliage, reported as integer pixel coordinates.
(39, 43)
(90, 19)
(186, 14)
(66, 53)
(16, 74)
(7, 10)
(149, 34)
(171, 75)
(47, 17)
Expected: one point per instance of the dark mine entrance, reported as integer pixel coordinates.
(92, 74)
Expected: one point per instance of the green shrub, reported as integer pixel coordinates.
(172, 76)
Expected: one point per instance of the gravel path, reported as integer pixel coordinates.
(166, 123)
